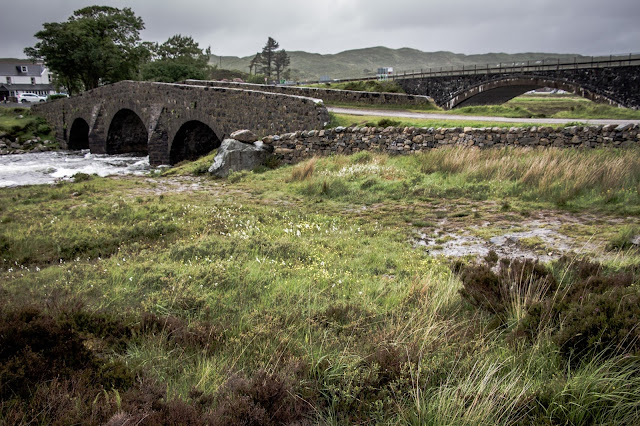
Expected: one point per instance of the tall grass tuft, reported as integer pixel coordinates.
(603, 391)
(303, 171)
(553, 174)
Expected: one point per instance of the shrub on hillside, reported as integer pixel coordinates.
(264, 399)
(592, 313)
(387, 122)
(604, 324)
(516, 281)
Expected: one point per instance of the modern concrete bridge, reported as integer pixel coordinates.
(615, 81)
(173, 122)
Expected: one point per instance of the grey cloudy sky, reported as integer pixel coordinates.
(241, 27)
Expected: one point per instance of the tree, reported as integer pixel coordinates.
(179, 58)
(98, 44)
(254, 63)
(268, 54)
(280, 62)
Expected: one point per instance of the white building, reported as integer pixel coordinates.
(24, 77)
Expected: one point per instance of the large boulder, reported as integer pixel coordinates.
(234, 156)
(246, 136)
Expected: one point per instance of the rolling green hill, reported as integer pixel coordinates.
(363, 62)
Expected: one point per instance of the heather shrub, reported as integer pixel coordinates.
(198, 334)
(263, 399)
(517, 284)
(601, 323)
(593, 314)
(47, 370)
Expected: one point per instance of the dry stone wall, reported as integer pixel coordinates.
(327, 95)
(294, 147)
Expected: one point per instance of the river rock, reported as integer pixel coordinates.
(234, 156)
(246, 136)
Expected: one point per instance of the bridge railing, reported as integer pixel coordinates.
(515, 67)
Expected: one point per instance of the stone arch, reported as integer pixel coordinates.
(502, 90)
(79, 134)
(127, 134)
(192, 140)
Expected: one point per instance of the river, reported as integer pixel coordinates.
(50, 167)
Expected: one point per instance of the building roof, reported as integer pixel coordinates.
(15, 70)
(25, 87)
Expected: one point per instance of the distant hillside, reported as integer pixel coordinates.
(362, 62)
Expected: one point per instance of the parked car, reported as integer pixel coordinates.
(31, 97)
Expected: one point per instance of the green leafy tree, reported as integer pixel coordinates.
(268, 56)
(97, 45)
(253, 65)
(177, 59)
(281, 61)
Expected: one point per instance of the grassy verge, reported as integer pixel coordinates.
(363, 86)
(550, 106)
(347, 120)
(18, 123)
(296, 295)
(526, 106)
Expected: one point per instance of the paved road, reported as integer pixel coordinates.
(436, 116)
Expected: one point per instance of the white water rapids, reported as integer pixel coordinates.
(50, 167)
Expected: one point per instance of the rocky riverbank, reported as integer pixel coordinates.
(16, 146)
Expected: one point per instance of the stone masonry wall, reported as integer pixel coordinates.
(327, 95)
(294, 147)
(164, 108)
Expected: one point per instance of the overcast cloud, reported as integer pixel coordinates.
(241, 27)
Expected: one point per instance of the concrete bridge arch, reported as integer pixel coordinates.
(499, 91)
(612, 83)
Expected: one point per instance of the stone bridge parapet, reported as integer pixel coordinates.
(327, 95)
(173, 122)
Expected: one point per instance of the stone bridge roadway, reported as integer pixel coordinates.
(616, 82)
(173, 122)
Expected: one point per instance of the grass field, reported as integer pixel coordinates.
(19, 124)
(550, 106)
(348, 120)
(523, 107)
(298, 295)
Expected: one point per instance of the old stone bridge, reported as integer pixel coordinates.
(173, 122)
(613, 81)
